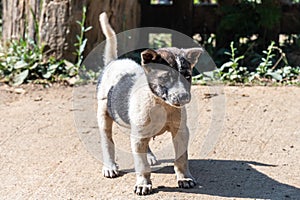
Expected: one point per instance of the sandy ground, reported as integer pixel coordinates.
(245, 144)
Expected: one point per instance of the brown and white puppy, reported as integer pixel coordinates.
(149, 99)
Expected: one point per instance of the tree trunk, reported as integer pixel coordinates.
(56, 19)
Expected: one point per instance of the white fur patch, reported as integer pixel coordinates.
(178, 63)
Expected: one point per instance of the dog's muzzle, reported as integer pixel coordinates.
(180, 99)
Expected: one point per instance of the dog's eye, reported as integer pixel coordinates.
(188, 77)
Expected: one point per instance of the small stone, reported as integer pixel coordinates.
(39, 98)
(72, 81)
(19, 91)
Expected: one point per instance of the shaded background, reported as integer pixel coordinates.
(252, 24)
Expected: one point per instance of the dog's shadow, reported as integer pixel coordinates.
(235, 179)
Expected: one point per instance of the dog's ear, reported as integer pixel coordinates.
(148, 56)
(193, 54)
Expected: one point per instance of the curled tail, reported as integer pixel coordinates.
(110, 51)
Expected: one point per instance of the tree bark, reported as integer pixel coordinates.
(56, 19)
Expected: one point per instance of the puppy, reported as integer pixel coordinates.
(149, 99)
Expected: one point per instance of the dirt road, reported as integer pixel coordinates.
(245, 144)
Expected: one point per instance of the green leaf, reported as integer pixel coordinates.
(88, 28)
(287, 69)
(53, 67)
(274, 75)
(18, 79)
(20, 64)
(209, 74)
(239, 58)
(243, 69)
(84, 9)
(48, 74)
(82, 46)
(227, 53)
(34, 66)
(234, 76)
(78, 22)
(226, 65)
(68, 64)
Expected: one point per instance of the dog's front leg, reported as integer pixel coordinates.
(109, 169)
(139, 147)
(180, 138)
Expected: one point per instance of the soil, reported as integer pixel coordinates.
(244, 144)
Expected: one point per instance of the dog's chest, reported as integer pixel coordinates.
(156, 117)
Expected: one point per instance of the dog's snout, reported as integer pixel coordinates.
(180, 99)
(184, 97)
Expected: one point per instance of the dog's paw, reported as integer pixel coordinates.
(110, 172)
(143, 189)
(186, 183)
(151, 159)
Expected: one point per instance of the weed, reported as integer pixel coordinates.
(267, 70)
(81, 41)
(231, 71)
(23, 60)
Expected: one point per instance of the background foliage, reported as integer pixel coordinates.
(248, 59)
(23, 60)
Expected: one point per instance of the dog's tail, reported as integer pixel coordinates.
(110, 51)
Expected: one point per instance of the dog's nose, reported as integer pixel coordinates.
(184, 97)
(180, 99)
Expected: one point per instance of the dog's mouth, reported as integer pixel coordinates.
(180, 100)
(175, 101)
(175, 105)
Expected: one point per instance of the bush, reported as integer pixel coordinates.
(23, 61)
(267, 71)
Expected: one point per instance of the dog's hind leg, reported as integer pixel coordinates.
(151, 157)
(110, 168)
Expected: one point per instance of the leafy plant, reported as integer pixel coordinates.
(231, 70)
(263, 69)
(81, 41)
(23, 60)
(205, 78)
(84, 75)
(268, 69)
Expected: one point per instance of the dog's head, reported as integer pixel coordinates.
(169, 73)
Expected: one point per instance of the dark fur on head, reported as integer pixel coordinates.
(169, 72)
